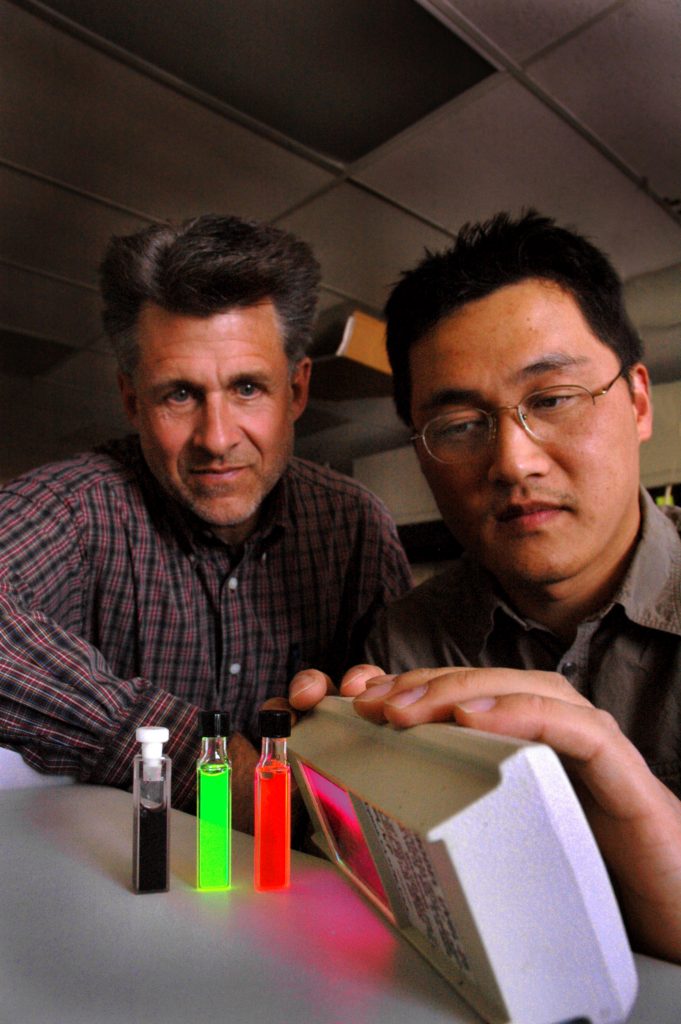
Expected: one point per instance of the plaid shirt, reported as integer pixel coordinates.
(118, 608)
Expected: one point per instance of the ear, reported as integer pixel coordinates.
(129, 396)
(300, 387)
(641, 401)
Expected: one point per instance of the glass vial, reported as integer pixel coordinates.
(151, 812)
(272, 859)
(213, 803)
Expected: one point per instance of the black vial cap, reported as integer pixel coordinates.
(214, 723)
(275, 724)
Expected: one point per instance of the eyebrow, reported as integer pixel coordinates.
(553, 362)
(170, 384)
(258, 376)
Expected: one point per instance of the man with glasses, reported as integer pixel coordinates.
(516, 366)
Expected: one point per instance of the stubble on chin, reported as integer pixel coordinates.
(218, 509)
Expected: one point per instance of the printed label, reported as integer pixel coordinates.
(417, 885)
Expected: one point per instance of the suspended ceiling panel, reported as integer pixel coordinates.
(520, 28)
(98, 141)
(27, 357)
(361, 241)
(79, 228)
(47, 307)
(500, 147)
(632, 101)
(340, 78)
(73, 114)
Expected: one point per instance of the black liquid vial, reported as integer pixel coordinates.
(151, 819)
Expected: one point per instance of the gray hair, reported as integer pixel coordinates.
(208, 265)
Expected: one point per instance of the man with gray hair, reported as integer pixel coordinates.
(196, 564)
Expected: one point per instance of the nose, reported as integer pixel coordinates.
(215, 430)
(514, 453)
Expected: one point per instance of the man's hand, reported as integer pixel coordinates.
(635, 819)
(310, 686)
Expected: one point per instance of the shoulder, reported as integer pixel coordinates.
(424, 627)
(308, 482)
(434, 601)
(89, 476)
(342, 519)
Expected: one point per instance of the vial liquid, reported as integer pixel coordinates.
(272, 848)
(151, 813)
(213, 803)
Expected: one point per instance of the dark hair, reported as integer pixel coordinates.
(208, 265)
(490, 255)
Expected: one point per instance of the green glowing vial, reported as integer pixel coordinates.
(213, 803)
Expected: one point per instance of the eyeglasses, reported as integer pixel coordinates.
(560, 413)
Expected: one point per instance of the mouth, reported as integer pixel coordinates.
(216, 474)
(528, 515)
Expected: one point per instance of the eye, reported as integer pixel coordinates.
(556, 400)
(181, 395)
(247, 389)
(460, 426)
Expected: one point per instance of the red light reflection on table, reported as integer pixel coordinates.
(344, 828)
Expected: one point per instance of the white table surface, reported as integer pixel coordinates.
(77, 946)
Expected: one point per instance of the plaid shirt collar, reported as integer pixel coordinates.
(181, 524)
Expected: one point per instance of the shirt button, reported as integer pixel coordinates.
(234, 668)
(233, 583)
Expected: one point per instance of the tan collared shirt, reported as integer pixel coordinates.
(627, 659)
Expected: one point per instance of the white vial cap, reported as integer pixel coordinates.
(152, 738)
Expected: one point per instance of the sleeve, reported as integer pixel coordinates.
(423, 628)
(390, 642)
(61, 706)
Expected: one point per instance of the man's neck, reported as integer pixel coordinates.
(561, 616)
(563, 604)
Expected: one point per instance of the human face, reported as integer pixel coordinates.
(550, 519)
(214, 402)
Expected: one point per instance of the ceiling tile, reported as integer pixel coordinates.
(522, 27)
(373, 67)
(24, 355)
(97, 125)
(622, 78)
(56, 231)
(504, 149)
(362, 242)
(34, 304)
